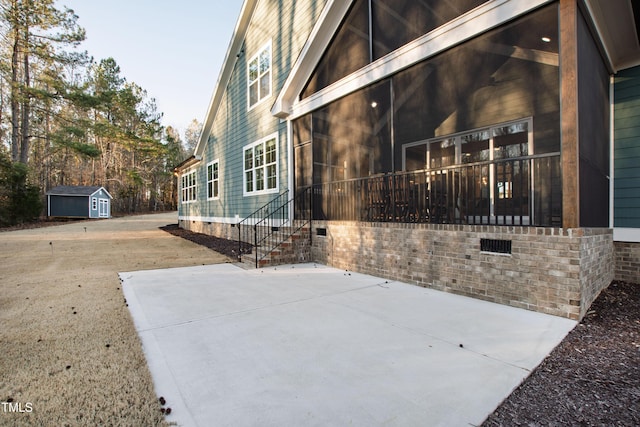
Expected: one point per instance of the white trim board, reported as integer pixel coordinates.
(631, 235)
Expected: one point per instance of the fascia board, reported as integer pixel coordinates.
(105, 190)
(237, 40)
(311, 53)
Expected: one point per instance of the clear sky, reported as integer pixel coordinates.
(172, 49)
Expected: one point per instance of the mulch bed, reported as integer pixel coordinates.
(591, 379)
(223, 246)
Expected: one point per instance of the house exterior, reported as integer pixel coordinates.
(487, 148)
(70, 201)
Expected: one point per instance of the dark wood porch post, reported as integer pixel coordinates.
(569, 113)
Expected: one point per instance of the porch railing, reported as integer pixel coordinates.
(268, 227)
(515, 191)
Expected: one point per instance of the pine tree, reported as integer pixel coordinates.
(38, 33)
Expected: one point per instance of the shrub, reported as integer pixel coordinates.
(19, 201)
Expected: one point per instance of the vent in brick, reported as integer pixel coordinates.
(321, 231)
(496, 246)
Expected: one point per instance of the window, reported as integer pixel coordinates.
(496, 176)
(189, 187)
(213, 180)
(94, 203)
(505, 141)
(259, 76)
(261, 166)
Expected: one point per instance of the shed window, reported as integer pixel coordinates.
(94, 203)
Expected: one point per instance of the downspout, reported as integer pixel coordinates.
(612, 155)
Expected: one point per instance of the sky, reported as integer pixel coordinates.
(172, 49)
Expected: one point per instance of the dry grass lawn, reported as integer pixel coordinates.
(69, 353)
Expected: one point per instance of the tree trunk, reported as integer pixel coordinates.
(26, 104)
(15, 105)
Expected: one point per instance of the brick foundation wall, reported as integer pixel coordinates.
(296, 249)
(627, 262)
(597, 254)
(550, 270)
(225, 231)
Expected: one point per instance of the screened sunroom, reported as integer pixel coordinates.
(470, 135)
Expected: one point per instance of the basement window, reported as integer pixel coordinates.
(321, 231)
(495, 246)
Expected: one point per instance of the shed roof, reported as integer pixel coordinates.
(76, 190)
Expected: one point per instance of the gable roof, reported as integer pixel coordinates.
(318, 41)
(616, 26)
(233, 52)
(76, 190)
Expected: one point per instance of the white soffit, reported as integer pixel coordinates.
(616, 26)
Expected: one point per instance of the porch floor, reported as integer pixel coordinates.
(313, 345)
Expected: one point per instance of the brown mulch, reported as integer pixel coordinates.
(592, 378)
(226, 247)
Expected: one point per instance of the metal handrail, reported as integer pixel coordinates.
(266, 222)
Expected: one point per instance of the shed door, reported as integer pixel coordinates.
(104, 208)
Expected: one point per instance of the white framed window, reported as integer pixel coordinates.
(501, 141)
(94, 203)
(188, 187)
(259, 76)
(213, 180)
(260, 164)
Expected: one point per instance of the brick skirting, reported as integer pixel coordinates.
(628, 261)
(550, 270)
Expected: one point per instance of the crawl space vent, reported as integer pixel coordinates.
(495, 246)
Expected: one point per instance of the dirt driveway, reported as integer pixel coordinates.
(69, 351)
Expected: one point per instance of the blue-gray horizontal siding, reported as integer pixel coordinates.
(287, 25)
(627, 149)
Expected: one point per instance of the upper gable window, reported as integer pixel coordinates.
(259, 76)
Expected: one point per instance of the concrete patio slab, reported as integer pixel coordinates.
(315, 346)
